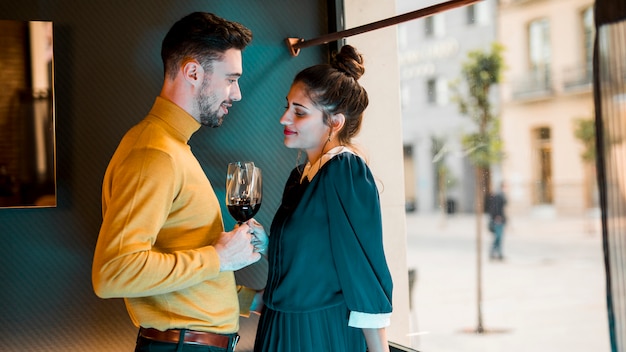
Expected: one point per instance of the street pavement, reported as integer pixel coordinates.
(547, 295)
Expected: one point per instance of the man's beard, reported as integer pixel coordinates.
(208, 117)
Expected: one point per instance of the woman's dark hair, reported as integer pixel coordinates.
(201, 36)
(334, 89)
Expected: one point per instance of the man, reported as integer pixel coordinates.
(497, 221)
(162, 245)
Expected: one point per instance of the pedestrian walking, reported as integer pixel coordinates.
(497, 222)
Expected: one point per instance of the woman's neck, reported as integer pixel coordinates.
(315, 156)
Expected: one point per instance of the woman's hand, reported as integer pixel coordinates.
(257, 303)
(260, 240)
(376, 340)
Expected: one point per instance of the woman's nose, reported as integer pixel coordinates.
(285, 119)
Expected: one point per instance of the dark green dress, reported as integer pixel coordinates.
(326, 259)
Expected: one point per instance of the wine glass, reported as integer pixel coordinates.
(244, 190)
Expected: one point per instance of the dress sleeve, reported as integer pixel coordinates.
(356, 237)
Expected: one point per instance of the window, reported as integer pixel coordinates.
(539, 44)
(442, 92)
(588, 35)
(405, 95)
(477, 13)
(539, 54)
(542, 165)
(410, 191)
(482, 12)
(471, 14)
(431, 91)
(429, 26)
(403, 37)
(437, 91)
(434, 26)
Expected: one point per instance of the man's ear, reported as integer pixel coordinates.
(193, 72)
(336, 122)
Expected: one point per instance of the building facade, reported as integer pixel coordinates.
(543, 101)
(438, 175)
(545, 94)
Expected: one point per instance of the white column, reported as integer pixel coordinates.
(381, 137)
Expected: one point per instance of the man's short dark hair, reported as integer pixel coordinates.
(201, 36)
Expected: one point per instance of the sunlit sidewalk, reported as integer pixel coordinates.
(548, 294)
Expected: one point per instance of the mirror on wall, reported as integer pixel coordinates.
(27, 121)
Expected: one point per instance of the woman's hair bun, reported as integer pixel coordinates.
(349, 61)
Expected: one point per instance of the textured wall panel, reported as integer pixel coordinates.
(108, 72)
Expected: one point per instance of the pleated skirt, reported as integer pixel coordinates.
(322, 330)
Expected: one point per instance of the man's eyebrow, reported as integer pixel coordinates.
(237, 74)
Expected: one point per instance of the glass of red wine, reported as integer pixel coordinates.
(244, 190)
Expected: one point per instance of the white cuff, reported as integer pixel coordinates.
(369, 321)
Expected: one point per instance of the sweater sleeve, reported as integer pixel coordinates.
(136, 204)
(356, 240)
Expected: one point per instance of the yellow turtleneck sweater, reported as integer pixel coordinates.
(160, 220)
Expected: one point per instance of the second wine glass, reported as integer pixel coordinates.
(244, 190)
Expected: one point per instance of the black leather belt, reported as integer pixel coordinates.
(191, 336)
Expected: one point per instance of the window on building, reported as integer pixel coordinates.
(410, 179)
(588, 35)
(442, 92)
(482, 13)
(542, 165)
(429, 26)
(405, 95)
(470, 12)
(539, 51)
(437, 91)
(403, 36)
(581, 73)
(477, 13)
(431, 91)
(434, 26)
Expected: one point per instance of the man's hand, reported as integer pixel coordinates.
(235, 249)
(260, 239)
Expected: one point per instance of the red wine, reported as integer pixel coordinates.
(243, 210)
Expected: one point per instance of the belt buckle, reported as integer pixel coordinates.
(234, 342)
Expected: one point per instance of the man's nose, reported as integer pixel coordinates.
(235, 93)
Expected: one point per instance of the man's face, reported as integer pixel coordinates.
(220, 89)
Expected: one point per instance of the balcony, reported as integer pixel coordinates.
(578, 78)
(535, 84)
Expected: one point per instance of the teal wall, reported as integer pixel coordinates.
(107, 74)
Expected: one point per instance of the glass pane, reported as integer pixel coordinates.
(27, 136)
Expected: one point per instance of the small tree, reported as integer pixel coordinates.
(479, 74)
(585, 132)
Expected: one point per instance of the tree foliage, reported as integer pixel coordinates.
(472, 93)
(585, 132)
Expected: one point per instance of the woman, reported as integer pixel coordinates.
(329, 287)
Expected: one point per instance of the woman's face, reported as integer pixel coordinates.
(303, 123)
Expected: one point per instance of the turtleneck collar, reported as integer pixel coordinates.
(178, 120)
